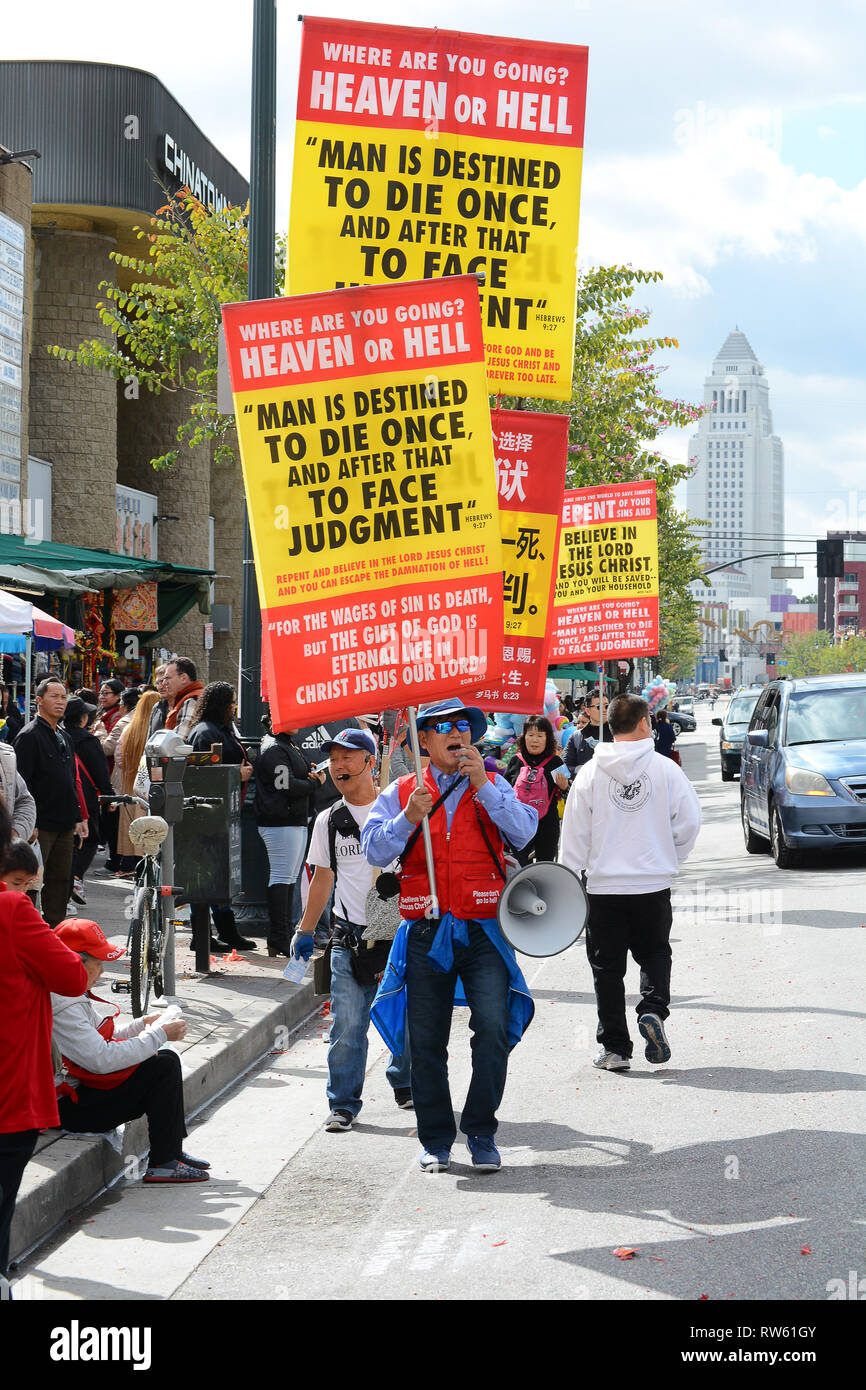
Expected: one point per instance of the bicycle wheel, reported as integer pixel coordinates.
(140, 950)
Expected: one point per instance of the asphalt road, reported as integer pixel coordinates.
(735, 1172)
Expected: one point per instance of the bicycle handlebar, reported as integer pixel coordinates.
(118, 800)
(188, 801)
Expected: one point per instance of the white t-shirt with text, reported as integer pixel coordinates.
(354, 874)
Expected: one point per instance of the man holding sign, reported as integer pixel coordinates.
(471, 813)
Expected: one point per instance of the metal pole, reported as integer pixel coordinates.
(167, 909)
(260, 285)
(27, 657)
(433, 910)
(601, 702)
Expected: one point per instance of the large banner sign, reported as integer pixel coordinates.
(606, 595)
(364, 428)
(421, 153)
(530, 451)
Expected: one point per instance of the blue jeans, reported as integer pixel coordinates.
(286, 846)
(350, 1024)
(430, 1003)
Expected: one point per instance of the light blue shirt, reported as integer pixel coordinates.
(387, 827)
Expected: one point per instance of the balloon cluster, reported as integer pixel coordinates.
(656, 695)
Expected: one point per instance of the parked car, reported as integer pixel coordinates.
(803, 775)
(685, 705)
(733, 725)
(683, 722)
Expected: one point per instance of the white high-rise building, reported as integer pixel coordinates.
(738, 485)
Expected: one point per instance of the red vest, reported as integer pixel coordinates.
(467, 883)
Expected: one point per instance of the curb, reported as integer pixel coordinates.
(67, 1172)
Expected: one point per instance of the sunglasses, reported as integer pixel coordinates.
(446, 725)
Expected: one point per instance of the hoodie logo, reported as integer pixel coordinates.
(630, 796)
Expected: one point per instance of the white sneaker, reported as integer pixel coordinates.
(610, 1061)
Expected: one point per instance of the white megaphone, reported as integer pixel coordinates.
(542, 910)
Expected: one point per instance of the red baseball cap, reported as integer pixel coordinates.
(80, 934)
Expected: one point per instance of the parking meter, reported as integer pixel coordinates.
(166, 755)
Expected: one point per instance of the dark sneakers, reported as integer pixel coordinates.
(652, 1028)
(485, 1155)
(403, 1098)
(339, 1121)
(175, 1172)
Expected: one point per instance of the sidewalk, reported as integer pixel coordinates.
(235, 1015)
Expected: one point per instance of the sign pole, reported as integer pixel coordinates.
(260, 285)
(433, 910)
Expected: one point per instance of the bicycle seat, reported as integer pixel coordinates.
(147, 833)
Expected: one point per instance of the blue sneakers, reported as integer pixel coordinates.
(657, 1048)
(435, 1160)
(485, 1155)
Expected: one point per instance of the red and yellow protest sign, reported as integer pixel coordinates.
(422, 153)
(606, 593)
(530, 450)
(364, 428)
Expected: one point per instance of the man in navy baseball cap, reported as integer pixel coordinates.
(354, 740)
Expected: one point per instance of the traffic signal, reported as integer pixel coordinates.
(771, 658)
(831, 558)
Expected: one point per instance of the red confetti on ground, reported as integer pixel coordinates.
(704, 1298)
(805, 1249)
(497, 1243)
(623, 1253)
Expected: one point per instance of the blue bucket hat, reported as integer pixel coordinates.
(441, 709)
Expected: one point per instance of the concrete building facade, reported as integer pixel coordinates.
(112, 142)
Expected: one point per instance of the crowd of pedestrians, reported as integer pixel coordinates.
(341, 825)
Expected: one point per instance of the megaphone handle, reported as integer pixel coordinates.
(433, 910)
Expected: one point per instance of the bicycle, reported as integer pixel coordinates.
(148, 936)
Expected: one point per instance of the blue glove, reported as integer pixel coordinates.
(302, 945)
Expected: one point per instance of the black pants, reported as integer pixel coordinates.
(155, 1089)
(16, 1150)
(545, 842)
(82, 857)
(57, 847)
(619, 923)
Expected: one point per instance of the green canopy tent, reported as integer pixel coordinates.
(68, 571)
(578, 673)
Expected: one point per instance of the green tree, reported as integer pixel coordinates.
(165, 313)
(616, 412)
(816, 654)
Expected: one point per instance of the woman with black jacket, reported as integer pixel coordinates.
(9, 711)
(536, 775)
(285, 785)
(78, 719)
(213, 723)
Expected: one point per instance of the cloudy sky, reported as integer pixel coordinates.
(725, 146)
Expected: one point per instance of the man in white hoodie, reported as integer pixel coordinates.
(630, 821)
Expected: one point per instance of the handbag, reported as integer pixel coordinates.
(322, 971)
(382, 908)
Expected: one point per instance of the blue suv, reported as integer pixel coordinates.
(803, 774)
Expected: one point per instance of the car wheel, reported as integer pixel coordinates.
(755, 844)
(783, 857)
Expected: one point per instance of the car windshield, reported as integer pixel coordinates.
(740, 709)
(827, 716)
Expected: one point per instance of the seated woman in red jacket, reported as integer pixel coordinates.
(33, 963)
(113, 1076)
